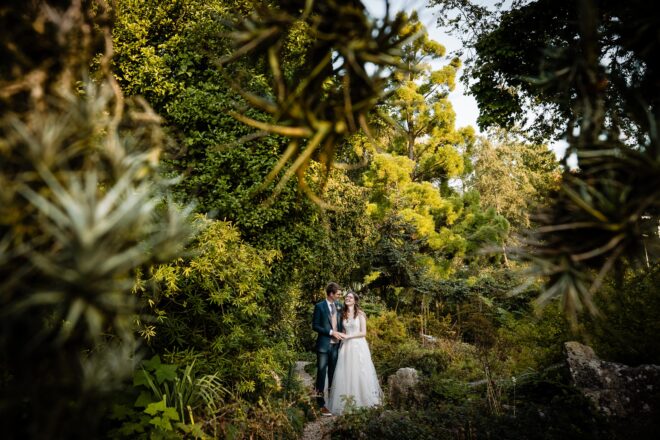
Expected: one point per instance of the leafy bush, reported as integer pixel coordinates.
(81, 209)
(213, 303)
(387, 329)
(431, 324)
(392, 348)
(382, 424)
(544, 410)
(446, 390)
(628, 326)
(212, 311)
(531, 342)
(167, 402)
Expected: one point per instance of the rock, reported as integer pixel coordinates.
(403, 387)
(616, 389)
(430, 339)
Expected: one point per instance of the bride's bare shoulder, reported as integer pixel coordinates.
(361, 313)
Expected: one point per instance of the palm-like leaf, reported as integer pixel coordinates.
(99, 224)
(608, 211)
(337, 89)
(81, 207)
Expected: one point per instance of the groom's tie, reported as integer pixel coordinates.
(333, 321)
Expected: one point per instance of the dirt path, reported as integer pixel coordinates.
(318, 429)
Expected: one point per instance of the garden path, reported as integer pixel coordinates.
(318, 429)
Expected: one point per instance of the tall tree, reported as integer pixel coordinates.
(419, 110)
(521, 61)
(594, 65)
(513, 176)
(427, 229)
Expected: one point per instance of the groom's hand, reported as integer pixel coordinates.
(339, 335)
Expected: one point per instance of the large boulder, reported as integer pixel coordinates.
(403, 387)
(616, 389)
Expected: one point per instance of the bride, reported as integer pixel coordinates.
(355, 378)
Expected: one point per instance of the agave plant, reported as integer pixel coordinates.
(82, 207)
(607, 214)
(348, 56)
(88, 209)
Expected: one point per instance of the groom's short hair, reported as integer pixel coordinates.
(332, 288)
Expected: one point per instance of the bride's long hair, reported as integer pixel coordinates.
(356, 307)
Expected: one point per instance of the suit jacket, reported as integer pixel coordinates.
(322, 324)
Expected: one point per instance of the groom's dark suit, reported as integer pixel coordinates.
(326, 352)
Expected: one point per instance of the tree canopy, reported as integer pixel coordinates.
(597, 78)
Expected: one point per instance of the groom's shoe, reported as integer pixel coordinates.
(325, 411)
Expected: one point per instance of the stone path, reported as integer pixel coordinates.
(318, 429)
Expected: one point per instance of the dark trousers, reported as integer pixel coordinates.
(325, 363)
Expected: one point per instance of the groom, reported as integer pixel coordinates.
(327, 323)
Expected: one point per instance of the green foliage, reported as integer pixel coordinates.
(447, 390)
(523, 60)
(82, 216)
(513, 176)
(167, 402)
(214, 303)
(213, 311)
(409, 355)
(418, 152)
(605, 217)
(545, 409)
(267, 419)
(239, 296)
(427, 230)
(386, 329)
(478, 330)
(162, 416)
(162, 47)
(419, 247)
(559, 56)
(626, 328)
(392, 348)
(507, 334)
(533, 341)
(480, 225)
(82, 208)
(421, 116)
(183, 404)
(329, 97)
(225, 175)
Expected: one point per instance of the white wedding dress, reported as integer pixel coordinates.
(355, 377)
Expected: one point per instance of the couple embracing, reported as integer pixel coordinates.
(343, 354)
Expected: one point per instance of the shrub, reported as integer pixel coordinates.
(213, 303)
(530, 342)
(545, 410)
(628, 326)
(446, 390)
(164, 402)
(392, 348)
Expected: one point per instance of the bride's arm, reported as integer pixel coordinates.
(363, 327)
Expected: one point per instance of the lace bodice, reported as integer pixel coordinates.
(355, 328)
(351, 326)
